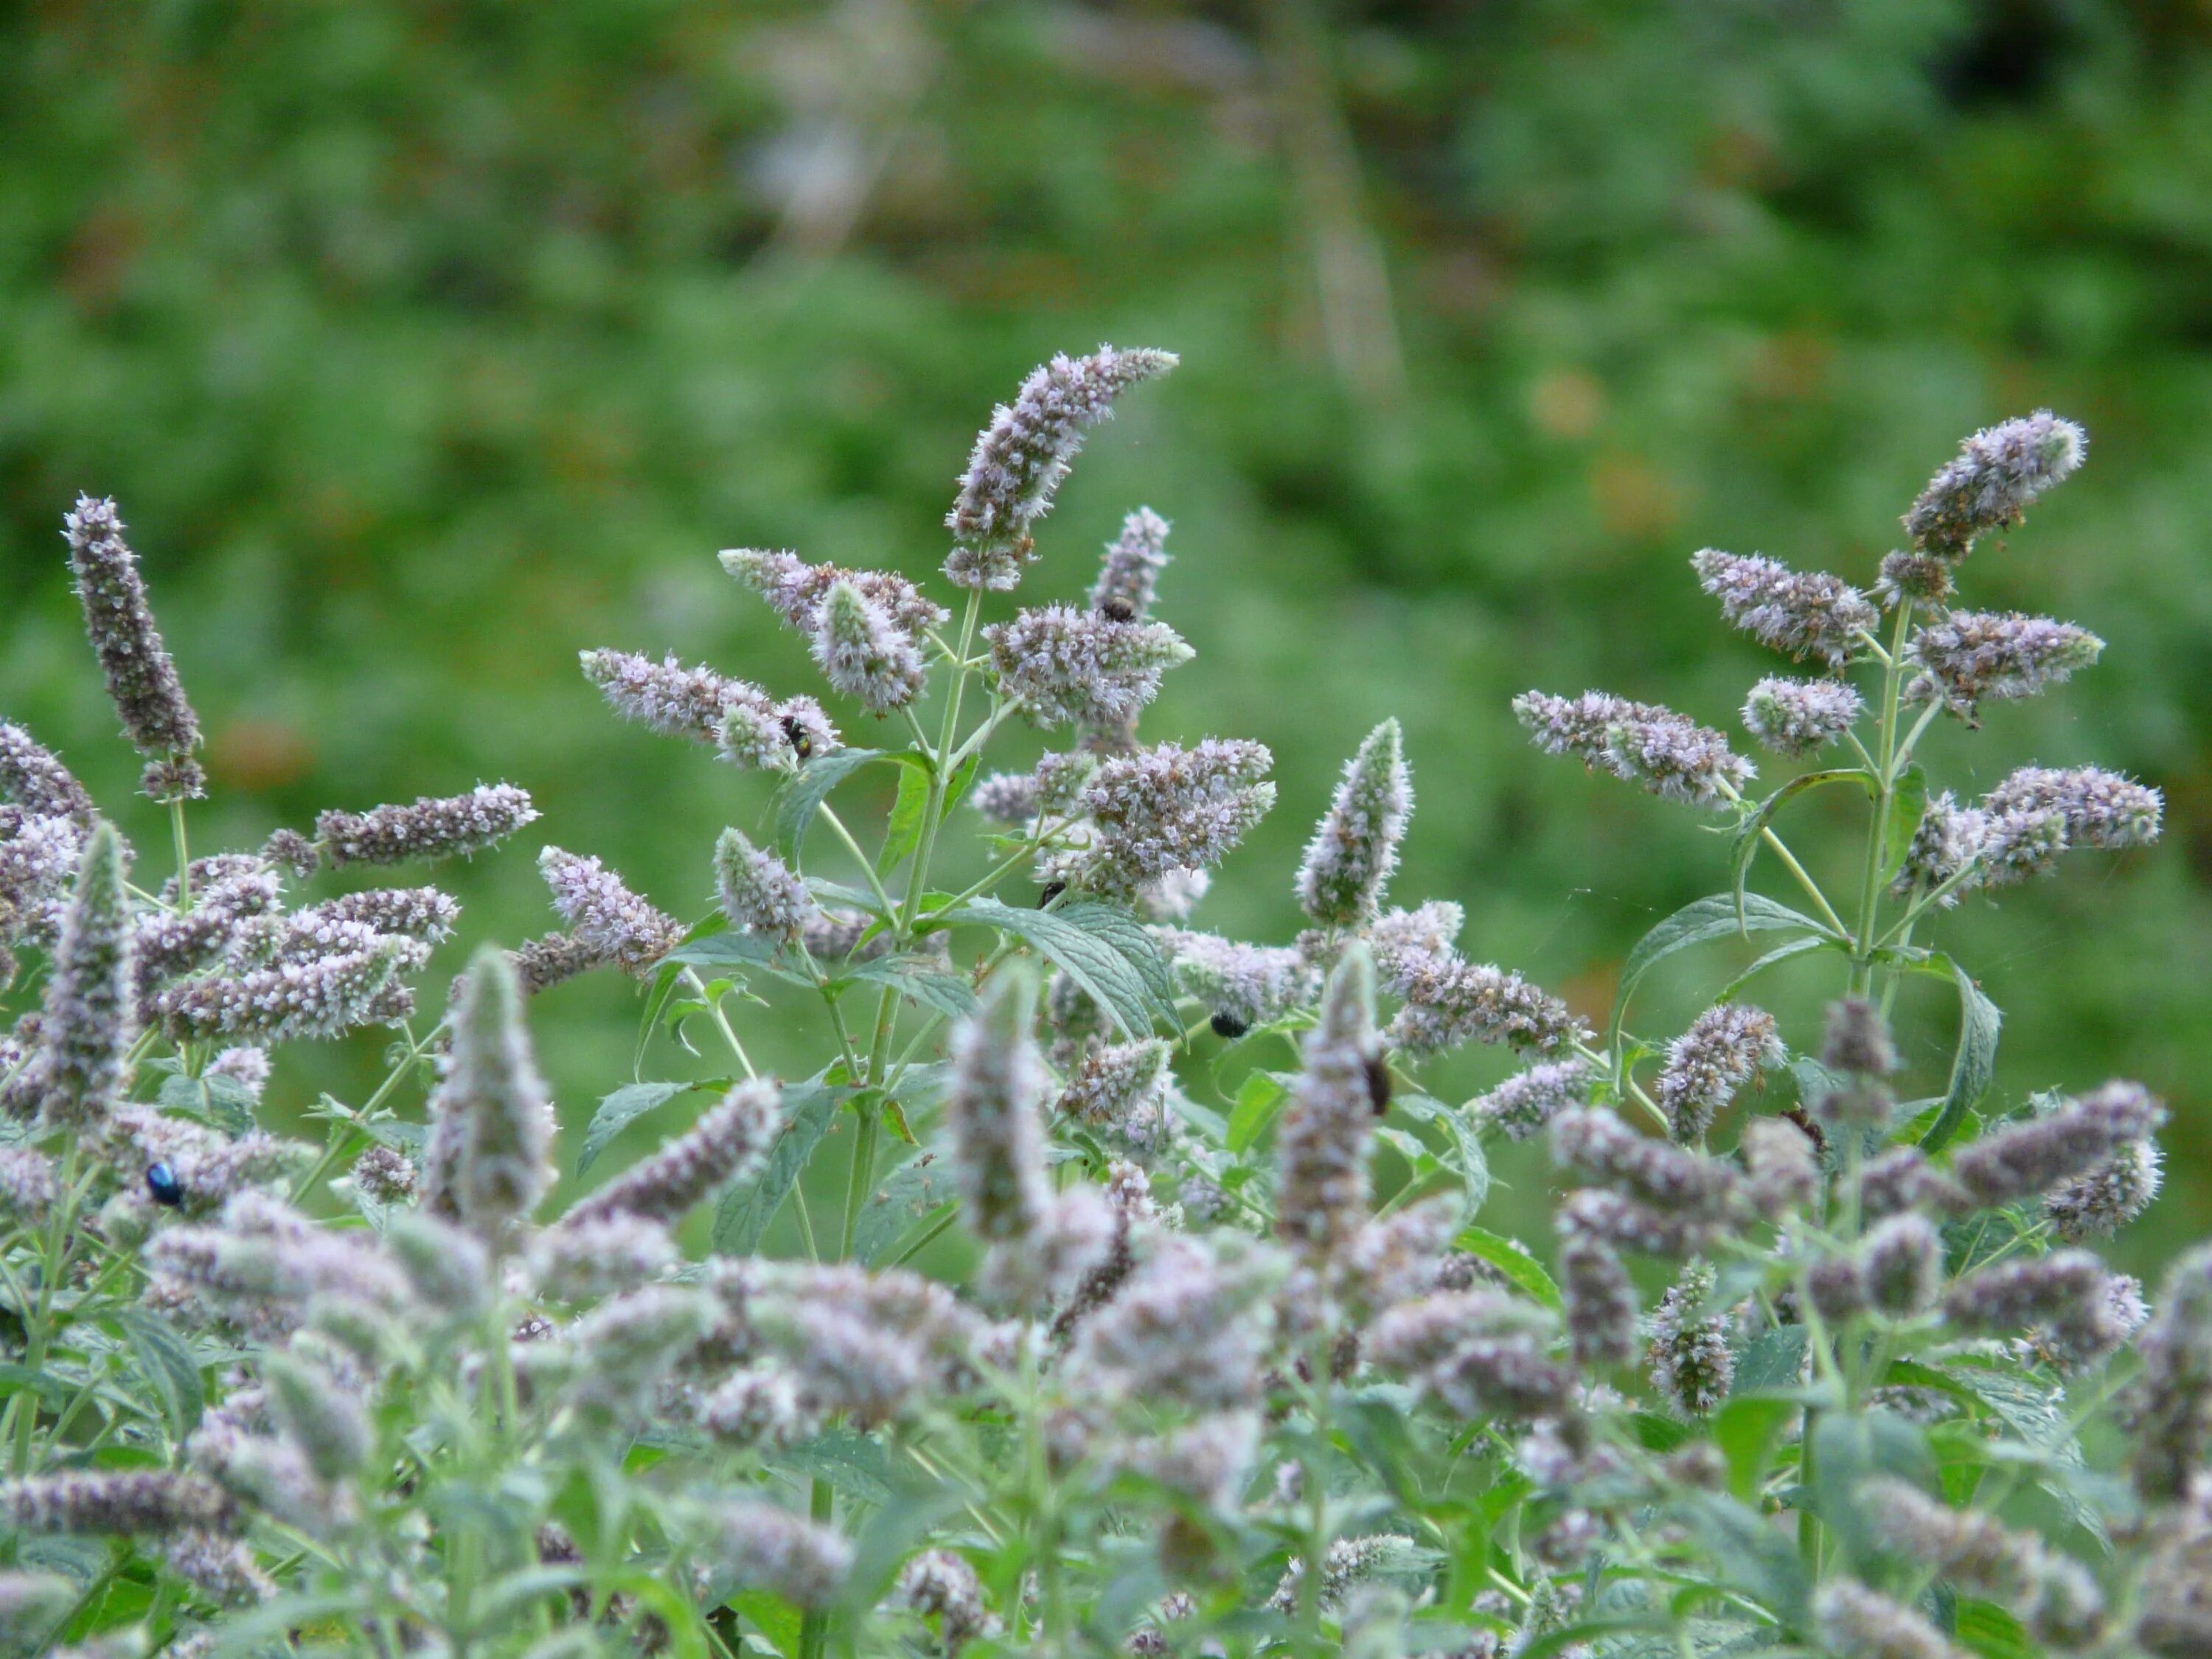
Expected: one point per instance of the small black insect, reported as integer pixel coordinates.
(802, 742)
(1798, 1116)
(1378, 1082)
(1052, 890)
(1118, 609)
(1228, 1026)
(162, 1181)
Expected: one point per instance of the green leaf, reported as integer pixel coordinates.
(918, 976)
(1771, 1362)
(619, 1111)
(1510, 1257)
(1748, 1431)
(804, 795)
(1466, 1158)
(742, 1218)
(913, 1195)
(1989, 1630)
(221, 1102)
(773, 1616)
(656, 1004)
(1908, 805)
(848, 1460)
(1780, 954)
(166, 1364)
(1747, 1552)
(1104, 949)
(1712, 917)
(1746, 845)
(1257, 1099)
(903, 833)
(1850, 1448)
(1975, 1062)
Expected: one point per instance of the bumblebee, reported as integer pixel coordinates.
(802, 742)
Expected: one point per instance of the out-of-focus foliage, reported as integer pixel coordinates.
(424, 345)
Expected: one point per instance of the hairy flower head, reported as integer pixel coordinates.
(1998, 471)
(1354, 850)
(1808, 614)
(488, 1162)
(1639, 743)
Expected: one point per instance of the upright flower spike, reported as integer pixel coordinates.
(141, 679)
(1168, 808)
(85, 1029)
(1795, 717)
(758, 892)
(1691, 1361)
(1639, 743)
(434, 826)
(488, 1159)
(2028, 1159)
(1808, 614)
(2050, 1593)
(2170, 1401)
(1970, 655)
(1354, 850)
(1328, 1128)
(1998, 473)
(1130, 573)
(731, 1138)
(33, 777)
(1853, 1622)
(1706, 1066)
(1083, 668)
(863, 653)
(991, 1108)
(1020, 458)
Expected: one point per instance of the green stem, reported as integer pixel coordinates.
(721, 1020)
(184, 856)
(868, 865)
(1886, 769)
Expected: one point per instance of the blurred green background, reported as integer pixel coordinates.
(426, 345)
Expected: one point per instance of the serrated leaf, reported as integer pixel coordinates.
(1908, 805)
(172, 1375)
(848, 1460)
(1465, 1157)
(1747, 1552)
(618, 1110)
(1975, 1064)
(1103, 949)
(743, 1216)
(1715, 916)
(1258, 1098)
(918, 977)
(1772, 1361)
(804, 795)
(903, 833)
(221, 1102)
(910, 1195)
(1748, 1431)
(1512, 1259)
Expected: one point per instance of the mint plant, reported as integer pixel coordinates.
(1122, 1335)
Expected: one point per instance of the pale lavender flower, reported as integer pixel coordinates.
(417, 912)
(1639, 743)
(795, 590)
(2174, 1614)
(319, 997)
(1401, 940)
(447, 1268)
(166, 944)
(583, 1260)
(866, 1343)
(1720, 1052)
(1857, 1048)
(759, 893)
(1173, 896)
(1853, 1622)
(1328, 1128)
(1451, 1001)
(1528, 1099)
(85, 1026)
(1601, 1298)
(2169, 1403)
(1808, 614)
(2026, 1159)
(1902, 1258)
(1192, 1325)
(141, 679)
(1241, 985)
(144, 1503)
(1354, 850)
(863, 653)
(2018, 847)
(2099, 1201)
(1782, 1165)
(1081, 667)
(630, 1344)
(761, 1406)
(1478, 1353)
(385, 1174)
(1006, 798)
(38, 856)
(29, 1184)
(761, 1546)
(1168, 808)
(1998, 472)
(990, 1109)
(318, 1414)
(1595, 1143)
(209, 1166)
(264, 1262)
(432, 828)
(488, 1162)
(1690, 1359)
(1836, 1286)
(1020, 458)
(1969, 655)
(1631, 1223)
(1349, 1560)
(1054, 1263)
(1387, 1259)
(773, 736)
(665, 696)
(1948, 838)
(553, 959)
(1121, 1090)
(2102, 809)
(939, 1585)
(604, 915)
(1795, 717)
(1903, 1179)
(725, 1143)
(33, 777)
(223, 1570)
(2065, 1297)
(1129, 575)
(2053, 1596)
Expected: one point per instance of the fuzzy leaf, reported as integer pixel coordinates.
(912, 1195)
(917, 976)
(804, 795)
(166, 1364)
(1512, 1259)
(1104, 949)
(1975, 1062)
(742, 1218)
(619, 1111)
